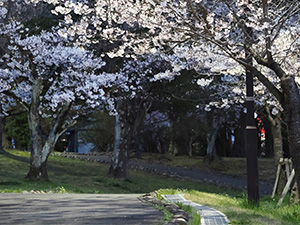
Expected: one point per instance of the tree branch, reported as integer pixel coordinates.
(14, 96)
(276, 92)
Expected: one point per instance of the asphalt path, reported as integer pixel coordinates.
(73, 209)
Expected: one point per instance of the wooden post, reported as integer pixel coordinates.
(279, 167)
(287, 167)
(251, 131)
(287, 187)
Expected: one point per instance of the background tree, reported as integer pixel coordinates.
(207, 29)
(50, 77)
(274, 43)
(133, 97)
(100, 131)
(17, 129)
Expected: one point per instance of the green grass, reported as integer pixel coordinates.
(76, 176)
(196, 219)
(167, 215)
(239, 211)
(226, 165)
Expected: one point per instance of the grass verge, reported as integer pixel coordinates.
(239, 211)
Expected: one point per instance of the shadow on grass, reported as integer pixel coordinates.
(15, 157)
(9, 183)
(58, 170)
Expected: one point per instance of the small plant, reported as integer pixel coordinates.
(62, 190)
(167, 214)
(196, 219)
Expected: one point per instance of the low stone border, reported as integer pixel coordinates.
(180, 217)
(209, 216)
(36, 192)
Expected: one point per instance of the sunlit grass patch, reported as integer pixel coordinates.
(239, 211)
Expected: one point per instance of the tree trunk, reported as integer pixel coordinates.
(41, 144)
(40, 151)
(38, 172)
(190, 146)
(211, 150)
(118, 167)
(292, 116)
(294, 198)
(130, 115)
(238, 148)
(278, 147)
(277, 140)
(38, 158)
(289, 99)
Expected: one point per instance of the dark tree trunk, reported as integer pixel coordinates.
(292, 116)
(211, 153)
(39, 173)
(224, 142)
(119, 167)
(289, 99)
(190, 146)
(128, 120)
(238, 149)
(269, 149)
(278, 147)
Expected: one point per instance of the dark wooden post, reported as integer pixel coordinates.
(251, 131)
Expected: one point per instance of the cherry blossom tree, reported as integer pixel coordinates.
(54, 80)
(133, 97)
(101, 25)
(268, 31)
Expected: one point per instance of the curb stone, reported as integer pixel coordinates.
(209, 216)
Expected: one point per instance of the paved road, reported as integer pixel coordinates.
(73, 209)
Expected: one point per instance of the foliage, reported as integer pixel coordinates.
(155, 40)
(100, 131)
(17, 128)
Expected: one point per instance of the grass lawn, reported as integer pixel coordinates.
(75, 176)
(239, 211)
(228, 166)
